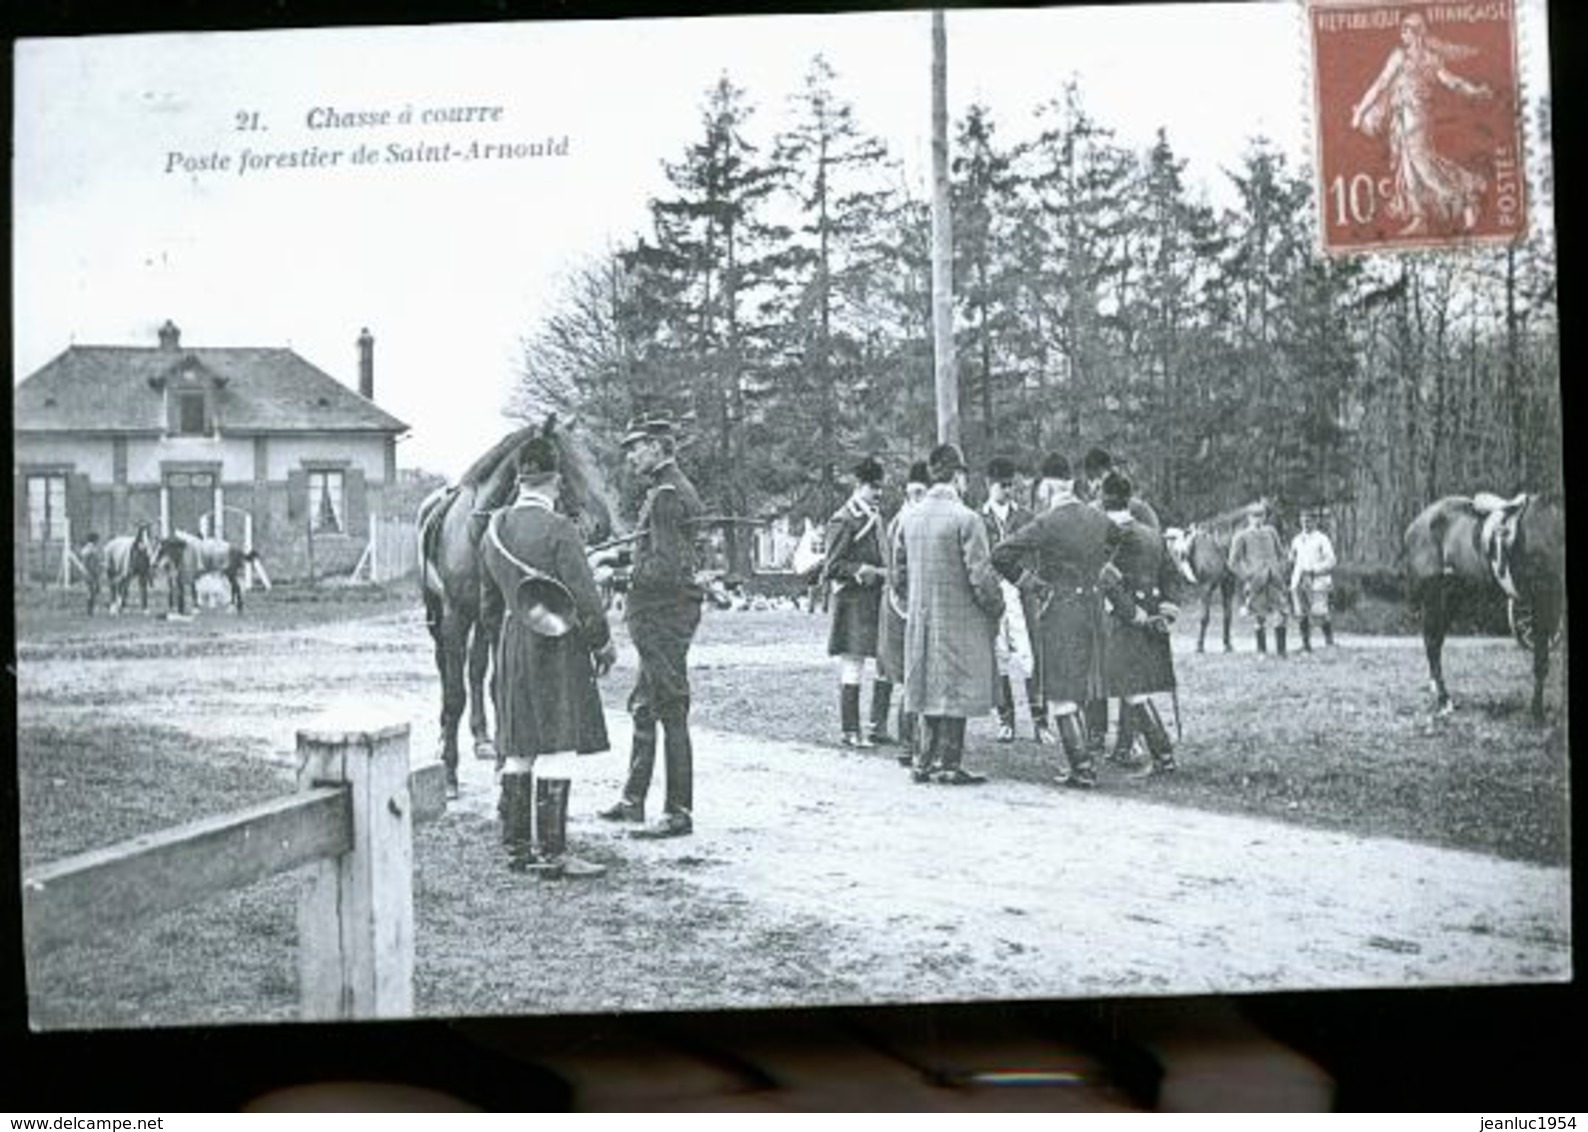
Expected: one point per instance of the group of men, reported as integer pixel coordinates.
(1275, 582)
(1074, 595)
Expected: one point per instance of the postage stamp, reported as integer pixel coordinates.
(1417, 124)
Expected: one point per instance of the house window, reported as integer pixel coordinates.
(190, 414)
(46, 508)
(325, 503)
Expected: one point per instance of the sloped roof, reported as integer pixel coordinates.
(261, 389)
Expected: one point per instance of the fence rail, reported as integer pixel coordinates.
(351, 823)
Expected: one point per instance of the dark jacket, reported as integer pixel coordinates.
(1139, 661)
(666, 557)
(855, 538)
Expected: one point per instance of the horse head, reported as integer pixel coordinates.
(1178, 542)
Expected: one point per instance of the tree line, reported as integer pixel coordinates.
(779, 302)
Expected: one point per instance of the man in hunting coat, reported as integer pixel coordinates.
(1059, 555)
(1258, 560)
(554, 642)
(953, 610)
(1013, 645)
(856, 567)
(891, 620)
(1312, 578)
(1140, 590)
(663, 612)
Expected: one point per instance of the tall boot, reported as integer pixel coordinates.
(1006, 710)
(929, 747)
(1041, 728)
(1095, 713)
(679, 753)
(1262, 639)
(909, 736)
(515, 805)
(953, 772)
(881, 701)
(849, 715)
(1082, 772)
(642, 763)
(1124, 753)
(551, 832)
(1306, 635)
(1328, 632)
(1279, 639)
(1150, 724)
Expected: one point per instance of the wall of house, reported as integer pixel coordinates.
(287, 454)
(91, 457)
(145, 455)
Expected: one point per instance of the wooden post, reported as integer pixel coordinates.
(356, 912)
(944, 368)
(66, 551)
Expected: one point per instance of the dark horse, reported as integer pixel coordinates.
(1202, 553)
(464, 614)
(1517, 545)
(130, 558)
(185, 557)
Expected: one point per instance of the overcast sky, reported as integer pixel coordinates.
(449, 265)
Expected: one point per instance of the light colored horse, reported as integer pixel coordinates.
(130, 558)
(187, 557)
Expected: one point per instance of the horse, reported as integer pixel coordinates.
(462, 612)
(187, 556)
(128, 558)
(1517, 545)
(1202, 554)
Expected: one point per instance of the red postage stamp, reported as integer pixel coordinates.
(1417, 114)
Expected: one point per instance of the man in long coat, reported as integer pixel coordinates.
(1060, 553)
(953, 611)
(1013, 647)
(663, 612)
(553, 643)
(856, 567)
(1258, 560)
(1141, 587)
(891, 618)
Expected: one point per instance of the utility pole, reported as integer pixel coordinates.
(946, 377)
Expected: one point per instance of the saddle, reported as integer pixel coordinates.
(1497, 535)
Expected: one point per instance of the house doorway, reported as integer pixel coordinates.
(189, 497)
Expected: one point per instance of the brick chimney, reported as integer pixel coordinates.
(366, 364)
(170, 336)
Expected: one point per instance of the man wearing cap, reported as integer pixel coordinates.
(891, 620)
(1312, 578)
(856, 568)
(1013, 649)
(1258, 560)
(953, 610)
(1140, 585)
(663, 612)
(1059, 554)
(554, 642)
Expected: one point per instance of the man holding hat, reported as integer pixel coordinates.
(554, 642)
(1059, 555)
(1258, 560)
(953, 610)
(1003, 515)
(663, 612)
(856, 568)
(1312, 578)
(891, 621)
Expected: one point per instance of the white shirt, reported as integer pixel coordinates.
(1313, 553)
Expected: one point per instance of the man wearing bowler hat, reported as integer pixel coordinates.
(663, 612)
(554, 642)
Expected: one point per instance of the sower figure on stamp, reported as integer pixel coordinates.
(954, 606)
(1312, 579)
(1258, 560)
(554, 643)
(1140, 590)
(663, 613)
(1012, 647)
(91, 557)
(1059, 554)
(856, 567)
(893, 615)
(1096, 467)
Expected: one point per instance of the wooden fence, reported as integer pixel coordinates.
(392, 551)
(350, 824)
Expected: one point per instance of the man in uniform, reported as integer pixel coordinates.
(554, 642)
(891, 618)
(1059, 554)
(856, 567)
(954, 606)
(1140, 583)
(1258, 560)
(1312, 579)
(1013, 645)
(663, 612)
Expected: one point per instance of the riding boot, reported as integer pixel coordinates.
(679, 754)
(1262, 639)
(1042, 729)
(1306, 634)
(1328, 633)
(1095, 714)
(929, 747)
(849, 715)
(1006, 710)
(642, 764)
(953, 772)
(551, 832)
(1082, 772)
(881, 701)
(1150, 723)
(1279, 639)
(1124, 753)
(909, 736)
(515, 807)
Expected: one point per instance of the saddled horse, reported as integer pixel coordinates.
(1517, 545)
(464, 614)
(1202, 554)
(187, 557)
(130, 558)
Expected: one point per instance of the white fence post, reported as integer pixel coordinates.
(356, 911)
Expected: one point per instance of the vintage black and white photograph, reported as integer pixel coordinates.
(731, 512)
